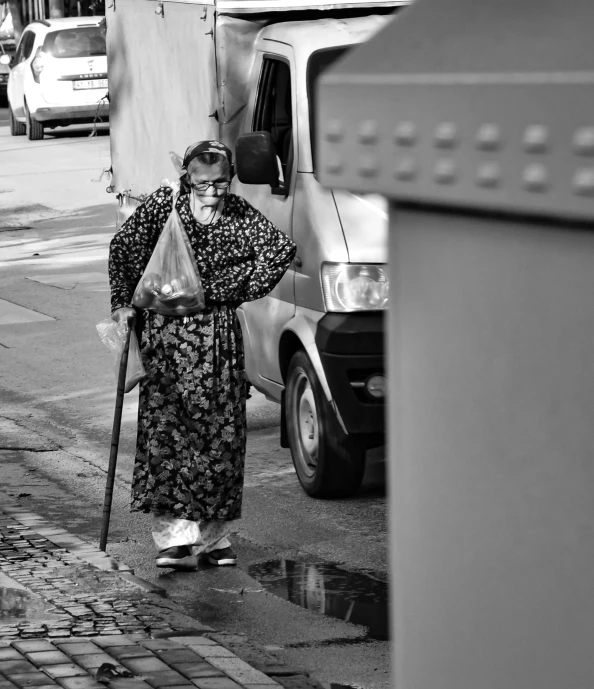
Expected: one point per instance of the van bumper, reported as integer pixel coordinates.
(351, 347)
(71, 114)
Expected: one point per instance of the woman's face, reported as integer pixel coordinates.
(204, 177)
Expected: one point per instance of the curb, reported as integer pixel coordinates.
(79, 548)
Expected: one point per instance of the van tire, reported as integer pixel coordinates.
(34, 128)
(16, 128)
(329, 462)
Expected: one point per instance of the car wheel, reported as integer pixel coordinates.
(328, 461)
(34, 128)
(16, 128)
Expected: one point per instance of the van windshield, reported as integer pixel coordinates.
(80, 41)
(318, 63)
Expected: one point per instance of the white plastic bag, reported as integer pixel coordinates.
(170, 284)
(113, 335)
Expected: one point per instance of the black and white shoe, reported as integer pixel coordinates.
(221, 557)
(178, 557)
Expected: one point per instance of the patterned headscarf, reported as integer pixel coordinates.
(201, 147)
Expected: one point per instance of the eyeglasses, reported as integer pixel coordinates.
(205, 186)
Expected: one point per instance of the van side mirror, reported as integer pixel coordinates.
(5, 59)
(255, 158)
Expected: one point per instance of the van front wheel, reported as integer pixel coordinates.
(329, 463)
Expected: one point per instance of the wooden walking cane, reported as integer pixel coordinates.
(115, 440)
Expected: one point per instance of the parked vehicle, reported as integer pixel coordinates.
(58, 76)
(5, 60)
(245, 72)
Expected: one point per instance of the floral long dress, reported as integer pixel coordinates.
(191, 438)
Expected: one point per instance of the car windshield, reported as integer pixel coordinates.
(318, 63)
(80, 41)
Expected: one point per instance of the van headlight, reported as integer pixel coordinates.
(355, 287)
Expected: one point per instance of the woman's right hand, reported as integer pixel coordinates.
(126, 313)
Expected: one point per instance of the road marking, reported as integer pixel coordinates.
(13, 313)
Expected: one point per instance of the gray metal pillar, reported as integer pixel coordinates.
(491, 363)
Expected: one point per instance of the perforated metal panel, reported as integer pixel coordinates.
(508, 140)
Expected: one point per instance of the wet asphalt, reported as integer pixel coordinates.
(312, 574)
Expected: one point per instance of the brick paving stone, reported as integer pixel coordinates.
(30, 679)
(10, 667)
(180, 655)
(195, 641)
(33, 646)
(85, 682)
(54, 657)
(113, 640)
(164, 679)
(144, 666)
(6, 684)
(200, 669)
(213, 651)
(216, 683)
(121, 652)
(93, 661)
(64, 670)
(240, 671)
(137, 637)
(32, 635)
(74, 648)
(9, 654)
(160, 644)
(128, 683)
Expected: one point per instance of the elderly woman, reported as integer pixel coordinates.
(191, 440)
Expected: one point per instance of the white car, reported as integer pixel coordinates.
(58, 76)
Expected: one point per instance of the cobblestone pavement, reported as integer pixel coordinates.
(73, 617)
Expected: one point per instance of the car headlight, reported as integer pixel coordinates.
(355, 287)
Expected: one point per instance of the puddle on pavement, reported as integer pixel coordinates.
(18, 604)
(352, 596)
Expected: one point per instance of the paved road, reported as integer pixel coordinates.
(57, 395)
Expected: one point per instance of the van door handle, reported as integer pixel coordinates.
(298, 262)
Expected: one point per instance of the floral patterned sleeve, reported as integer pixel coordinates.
(271, 253)
(132, 245)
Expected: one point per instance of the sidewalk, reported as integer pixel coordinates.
(52, 178)
(73, 617)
